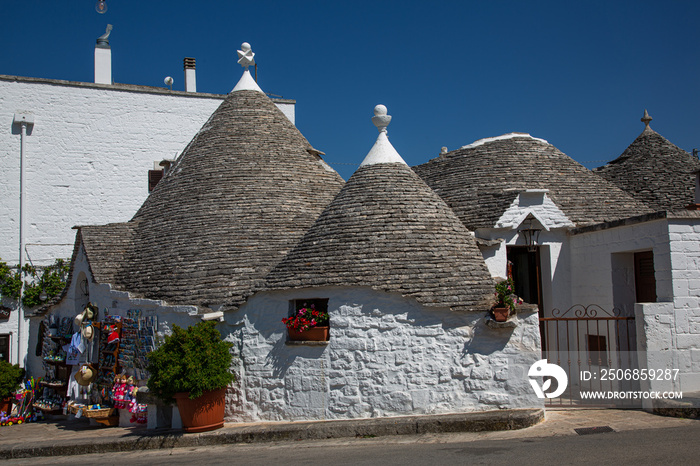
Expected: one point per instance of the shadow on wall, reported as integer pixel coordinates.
(281, 356)
(486, 341)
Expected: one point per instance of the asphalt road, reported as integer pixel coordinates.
(639, 447)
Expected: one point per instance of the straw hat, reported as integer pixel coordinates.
(90, 311)
(79, 319)
(87, 332)
(85, 375)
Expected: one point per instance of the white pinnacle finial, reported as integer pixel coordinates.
(382, 151)
(380, 119)
(245, 59)
(245, 56)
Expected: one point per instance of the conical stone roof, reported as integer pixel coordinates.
(239, 197)
(481, 180)
(387, 230)
(655, 171)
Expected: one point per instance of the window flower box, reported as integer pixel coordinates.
(312, 334)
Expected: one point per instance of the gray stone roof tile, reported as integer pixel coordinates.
(655, 171)
(239, 197)
(480, 182)
(388, 230)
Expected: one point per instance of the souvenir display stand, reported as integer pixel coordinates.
(124, 342)
(57, 333)
(101, 378)
(97, 405)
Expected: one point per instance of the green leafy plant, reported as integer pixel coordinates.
(194, 360)
(51, 281)
(10, 281)
(505, 295)
(11, 376)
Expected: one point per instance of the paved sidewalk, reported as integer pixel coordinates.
(74, 437)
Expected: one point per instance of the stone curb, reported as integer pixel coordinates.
(470, 422)
(687, 408)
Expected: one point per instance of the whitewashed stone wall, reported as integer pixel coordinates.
(87, 156)
(671, 330)
(387, 356)
(668, 332)
(592, 262)
(656, 349)
(684, 247)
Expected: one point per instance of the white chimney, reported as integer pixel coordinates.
(103, 58)
(190, 75)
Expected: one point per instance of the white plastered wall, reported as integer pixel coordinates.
(671, 329)
(592, 261)
(387, 356)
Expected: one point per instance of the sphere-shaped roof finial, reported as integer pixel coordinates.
(246, 56)
(380, 119)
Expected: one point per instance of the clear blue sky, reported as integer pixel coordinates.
(578, 74)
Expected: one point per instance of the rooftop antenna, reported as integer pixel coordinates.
(169, 82)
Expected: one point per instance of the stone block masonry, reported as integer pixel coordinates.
(387, 356)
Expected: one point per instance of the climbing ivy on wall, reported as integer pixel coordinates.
(50, 280)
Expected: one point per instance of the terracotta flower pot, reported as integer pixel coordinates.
(500, 314)
(204, 413)
(312, 334)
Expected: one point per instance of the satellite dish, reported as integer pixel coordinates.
(169, 82)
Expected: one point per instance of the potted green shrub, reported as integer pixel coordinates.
(11, 376)
(192, 367)
(505, 300)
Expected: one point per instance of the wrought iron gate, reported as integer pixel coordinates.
(597, 349)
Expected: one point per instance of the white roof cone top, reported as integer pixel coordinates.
(382, 151)
(246, 59)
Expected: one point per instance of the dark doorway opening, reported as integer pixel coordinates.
(524, 269)
(644, 279)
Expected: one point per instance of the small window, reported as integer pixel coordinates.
(154, 176)
(597, 350)
(308, 322)
(320, 304)
(5, 348)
